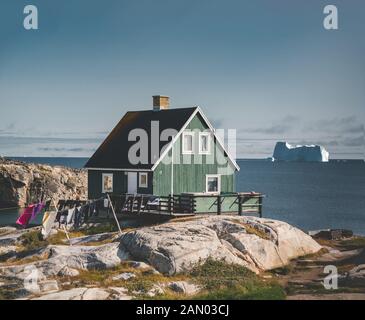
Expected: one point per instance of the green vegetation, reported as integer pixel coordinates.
(32, 240)
(7, 294)
(353, 243)
(219, 281)
(222, 281)
(102, 228)
(250, 229)
(143, 281)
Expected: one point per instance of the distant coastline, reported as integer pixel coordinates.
(71, 162)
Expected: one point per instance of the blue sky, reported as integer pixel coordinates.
(266, 68)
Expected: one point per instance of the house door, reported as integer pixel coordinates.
(132, 182)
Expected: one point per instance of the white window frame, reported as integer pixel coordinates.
(207, 134)
(188, 133)
(218, 176)
(104, 175)
(140, 184)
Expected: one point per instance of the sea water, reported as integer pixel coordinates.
(308, 195)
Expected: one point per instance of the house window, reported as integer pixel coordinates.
(107, 181)
(188, 142)
(213, 183)
(204, 143)
(143, 180)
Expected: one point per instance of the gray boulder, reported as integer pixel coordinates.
(65, 259)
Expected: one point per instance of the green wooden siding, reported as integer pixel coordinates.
(190, 170)
(95, 183)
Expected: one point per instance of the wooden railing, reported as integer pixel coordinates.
(187, 203)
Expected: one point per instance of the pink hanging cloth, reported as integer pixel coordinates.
(26, 215)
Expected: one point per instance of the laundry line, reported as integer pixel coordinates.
(66, 214)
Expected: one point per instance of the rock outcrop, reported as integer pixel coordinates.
(21, 183)
(256, 243)
(67, 260)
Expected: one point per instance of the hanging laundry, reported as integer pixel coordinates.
(70, 216)
(26, 216)
(49, 219)
(106, 203)
(37, 209)
(63, 217)
(80, 216)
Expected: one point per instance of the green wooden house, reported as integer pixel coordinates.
(159, 152)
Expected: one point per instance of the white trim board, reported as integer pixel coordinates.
(219, 178)
(198, 110)
(126, 170)
(141, 185)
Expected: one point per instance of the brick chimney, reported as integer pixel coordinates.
(161, 102)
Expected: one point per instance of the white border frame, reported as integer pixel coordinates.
(140, 185)
(207, 134)
(102, 182)
(219, 183)
(192, 134)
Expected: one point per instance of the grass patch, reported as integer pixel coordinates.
(103, 228)
(139, 286)
(353, 243)
(32, 259)
(222, 281)
(250, 229)
(7, 294)
(32, 240)
(218, 280)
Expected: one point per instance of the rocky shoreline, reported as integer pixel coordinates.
(178, 260)
(22, 183)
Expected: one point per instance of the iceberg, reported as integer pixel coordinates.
(287, 152)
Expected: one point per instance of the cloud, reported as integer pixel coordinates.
(280, 127)
(344, 125)
(355, 142)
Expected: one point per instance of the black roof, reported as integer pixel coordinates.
(113, 152)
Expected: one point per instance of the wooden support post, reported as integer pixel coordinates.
(239, 205)
(115, 215)
(219, 205)
(132, 204)
(260, 206)
(170, 206)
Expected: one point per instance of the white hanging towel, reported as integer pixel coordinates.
(70, 216)
(106, 203)
(49, 218)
